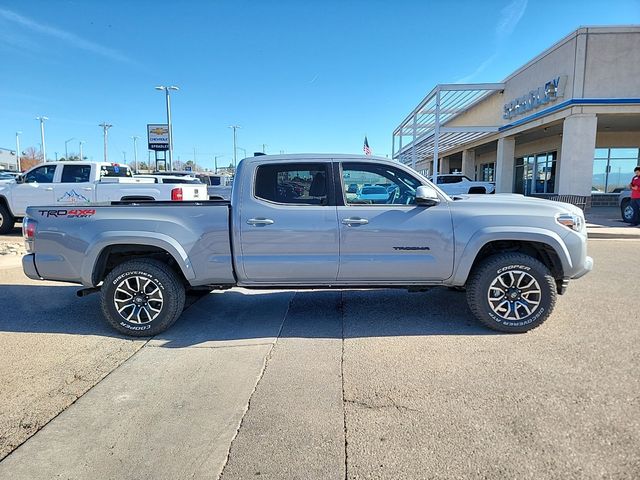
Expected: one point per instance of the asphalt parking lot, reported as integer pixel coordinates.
(323, 384)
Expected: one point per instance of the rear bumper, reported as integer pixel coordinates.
(29, 267)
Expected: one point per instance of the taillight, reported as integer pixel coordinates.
(176, 194)
(29, 233)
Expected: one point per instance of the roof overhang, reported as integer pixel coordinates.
(426, 126)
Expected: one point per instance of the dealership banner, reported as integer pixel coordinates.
(158, 136)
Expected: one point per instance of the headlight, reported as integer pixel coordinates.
(574, 222)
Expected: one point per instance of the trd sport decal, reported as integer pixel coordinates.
(75, 213)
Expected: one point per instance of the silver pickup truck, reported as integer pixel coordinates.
(291, 224)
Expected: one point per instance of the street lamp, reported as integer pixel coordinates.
(105, 127)
(42, 119)
(80, 147)
(168, 97)
(18, 151)
(66, 151)
(235, 160)
(135, 153)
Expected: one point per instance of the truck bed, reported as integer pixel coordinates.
(72, 242)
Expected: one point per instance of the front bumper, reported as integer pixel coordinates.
(587, 266)
(29, 267)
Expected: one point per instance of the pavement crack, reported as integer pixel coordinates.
(255, 387)
(383, 406)
(344, 407)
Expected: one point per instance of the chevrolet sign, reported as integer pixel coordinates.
(549, 92)
(158, 136)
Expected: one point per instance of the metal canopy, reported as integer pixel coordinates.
(426, 124)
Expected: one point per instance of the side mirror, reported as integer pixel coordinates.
(20, 179)
(427, 196)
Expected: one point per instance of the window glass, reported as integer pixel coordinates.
(115, 171)
(602, 153)
(293, 183)
(377, 184)
(620, 174)
(76, 173)
(630, 153)
(613, 168)
(42, 174)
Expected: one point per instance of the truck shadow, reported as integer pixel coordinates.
(242, 317)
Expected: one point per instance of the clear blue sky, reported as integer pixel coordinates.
(299, 76)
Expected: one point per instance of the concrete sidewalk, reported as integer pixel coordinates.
(606, 223)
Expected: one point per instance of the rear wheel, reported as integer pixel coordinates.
(7, 221)
(511, 292)
(626, 210)
(142, 297)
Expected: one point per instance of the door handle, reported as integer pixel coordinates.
(88, 189)
(354, 221)
(260, 221)
(49, 189)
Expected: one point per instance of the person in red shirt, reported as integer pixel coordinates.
(635, 196)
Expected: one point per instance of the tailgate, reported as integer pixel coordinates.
(194, 192)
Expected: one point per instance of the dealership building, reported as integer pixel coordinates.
(567, 122)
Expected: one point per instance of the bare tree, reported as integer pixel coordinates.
(30, 158)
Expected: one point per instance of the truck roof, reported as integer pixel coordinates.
(319, 156)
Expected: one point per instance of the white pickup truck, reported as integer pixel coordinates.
(458, 184)
(83, 183)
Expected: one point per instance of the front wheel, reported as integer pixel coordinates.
(142, 298)
(511, 292)
(627, 211)
(7, 221)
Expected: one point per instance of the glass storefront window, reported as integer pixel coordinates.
(487, 172)
(535, 173)
(613, 168)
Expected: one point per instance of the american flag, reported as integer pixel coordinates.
(367, 150)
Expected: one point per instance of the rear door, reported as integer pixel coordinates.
(75, 186)
(288, 225)
(37, 189)
(396, 241)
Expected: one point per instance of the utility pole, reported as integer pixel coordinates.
(235, 157)
(105, 127)
(215, 162)
(80, 148)
(135, 153)
(18, 151)
(264, 148)
(66, 150)
(42, 119)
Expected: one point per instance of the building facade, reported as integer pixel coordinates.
(567, 122)
(8, 159)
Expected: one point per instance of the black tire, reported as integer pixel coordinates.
(156, 304)
(7, 221)
(509, 273)
(626, 211)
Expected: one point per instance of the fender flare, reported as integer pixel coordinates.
(152, 239)
(516, 233)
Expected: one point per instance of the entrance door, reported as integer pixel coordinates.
(288, 225)
(391, 239)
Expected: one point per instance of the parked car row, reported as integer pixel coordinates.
(78, 184)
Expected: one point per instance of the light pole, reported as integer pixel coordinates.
(235, 159)
(42, 119)
(105, 127)
(168, 97)
(80, 148)
(124, 158)
(215, 162)
(264, 148)
(66, 151)
(135, 153)
(245, 153)
(18, 151)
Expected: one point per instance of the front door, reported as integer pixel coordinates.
(288, 225)
(36, 190)
(391, 240)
